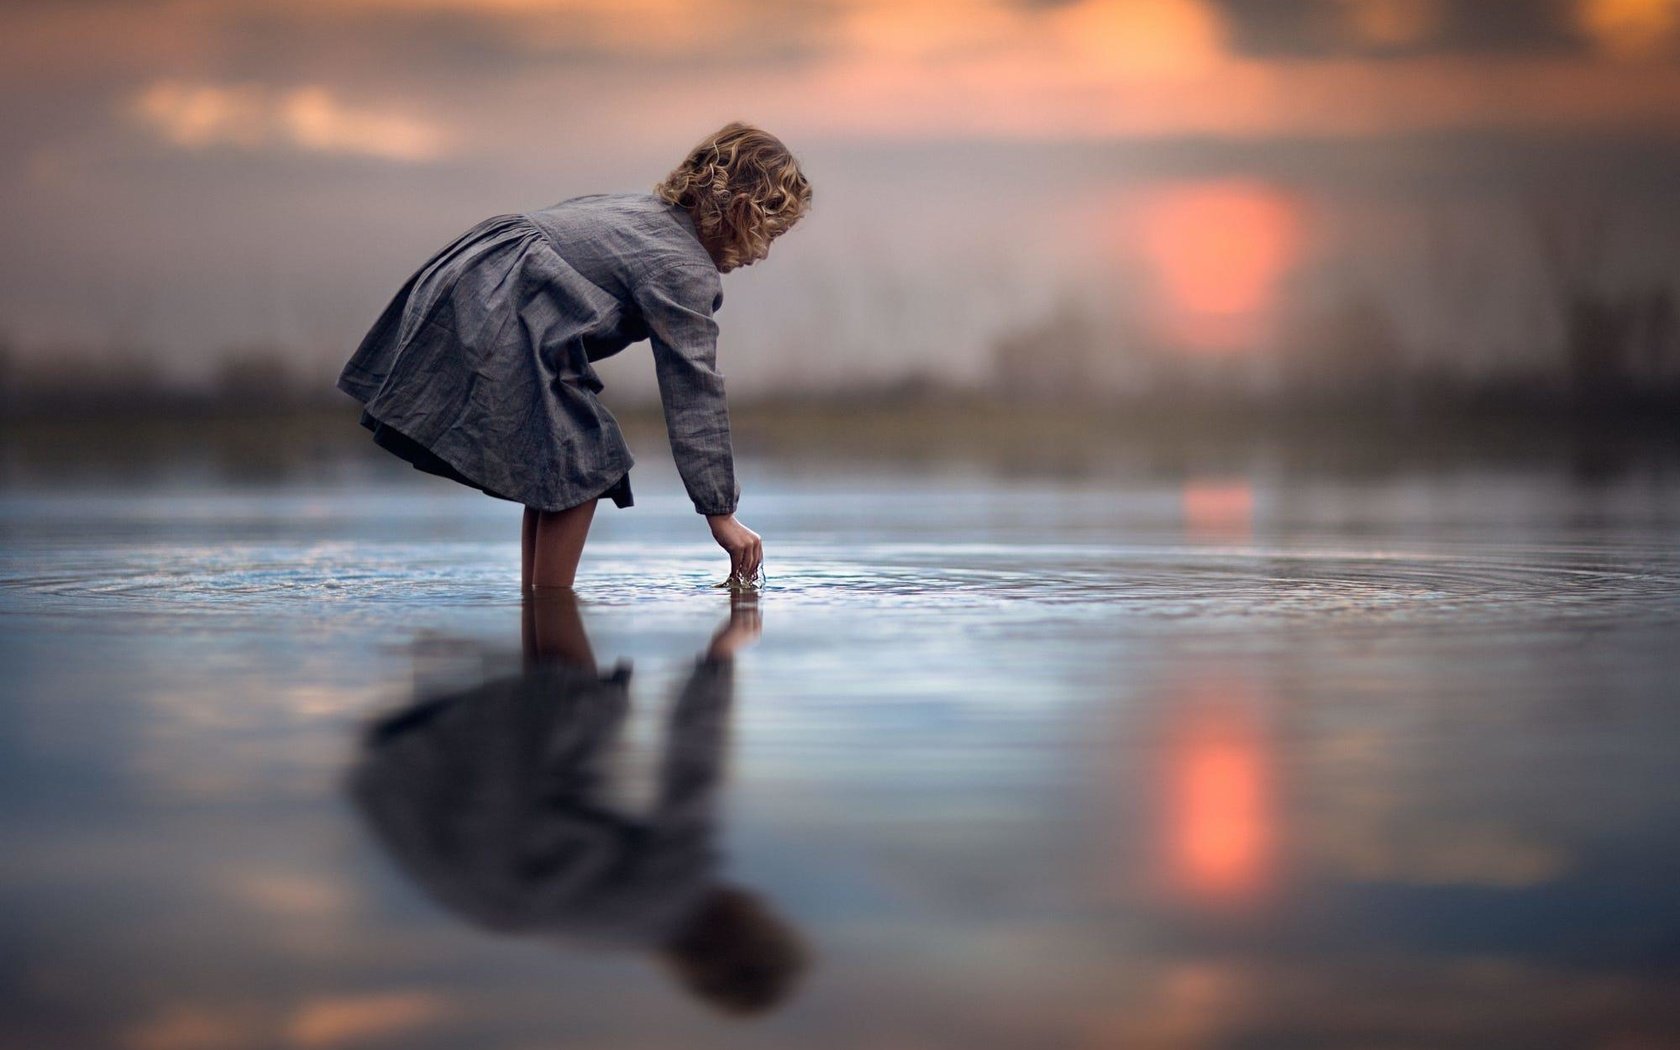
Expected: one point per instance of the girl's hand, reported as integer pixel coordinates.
(746, 550)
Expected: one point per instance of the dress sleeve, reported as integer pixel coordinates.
(677, 303)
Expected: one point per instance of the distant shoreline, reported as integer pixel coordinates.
(1152, 436)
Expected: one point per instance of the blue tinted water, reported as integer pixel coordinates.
(1274, 760)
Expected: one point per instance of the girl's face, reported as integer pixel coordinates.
(762, 253)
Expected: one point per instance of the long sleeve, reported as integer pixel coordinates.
(677, 303)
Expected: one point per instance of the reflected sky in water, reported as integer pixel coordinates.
(1211, 761)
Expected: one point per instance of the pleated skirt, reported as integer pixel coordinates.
(423, 458)
(474, 372)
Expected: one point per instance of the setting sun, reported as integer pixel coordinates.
(1218, 251)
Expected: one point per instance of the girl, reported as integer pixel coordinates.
(479, 369)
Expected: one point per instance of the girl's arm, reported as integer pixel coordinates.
(677, 302)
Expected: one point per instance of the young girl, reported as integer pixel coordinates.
(480, 371)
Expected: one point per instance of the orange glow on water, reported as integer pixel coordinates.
(1219, 251)
(1219, 833)
(1220, 815)
(1218, 509)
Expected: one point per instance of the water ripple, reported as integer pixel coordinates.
(1165, 582)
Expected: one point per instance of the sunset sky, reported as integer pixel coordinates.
(183, 176)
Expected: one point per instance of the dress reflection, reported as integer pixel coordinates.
(495, 800)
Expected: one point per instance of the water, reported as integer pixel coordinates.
(1278, 760)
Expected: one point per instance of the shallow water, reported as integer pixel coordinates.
(1272, 761)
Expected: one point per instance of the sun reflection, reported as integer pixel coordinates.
(1219, 250)
(1220, 819)
(1218, 509)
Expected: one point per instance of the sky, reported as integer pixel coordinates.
(185, 178)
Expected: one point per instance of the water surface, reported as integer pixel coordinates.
(1267, 759)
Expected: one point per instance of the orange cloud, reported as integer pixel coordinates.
(1390, 23)
(1041, 89)
(930, 29)
(1092, 69)
(310, 118)
(1631, 29)
(1155, 38)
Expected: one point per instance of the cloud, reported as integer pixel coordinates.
(309, 117)
(518, 83)
(723, 34)
(226, 134)
(1392, 28)
(1632, 29)
(1164, 38)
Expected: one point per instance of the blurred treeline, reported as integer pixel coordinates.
(1616, 408)
(1602, 332)
(1600, 348)
(1620, 354)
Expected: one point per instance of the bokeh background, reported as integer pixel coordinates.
(1407, 205)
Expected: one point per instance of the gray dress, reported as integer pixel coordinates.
(479, 369)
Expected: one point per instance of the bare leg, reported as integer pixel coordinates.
(559, 545)
(527, 548)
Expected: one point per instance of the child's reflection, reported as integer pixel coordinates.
(494, 800)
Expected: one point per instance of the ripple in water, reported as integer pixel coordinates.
(1164, 582)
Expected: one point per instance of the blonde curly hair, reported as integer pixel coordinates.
(743, 189)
